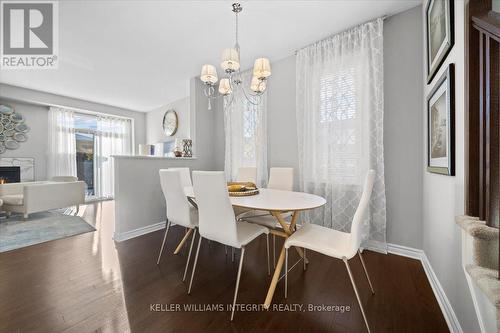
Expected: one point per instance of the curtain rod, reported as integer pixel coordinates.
(89, 112)
(382, 17)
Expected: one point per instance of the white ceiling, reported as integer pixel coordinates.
(140, 55)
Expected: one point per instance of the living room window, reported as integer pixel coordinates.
(85, 127)
(81, 144)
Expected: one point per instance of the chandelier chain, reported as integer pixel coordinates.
(236, 29)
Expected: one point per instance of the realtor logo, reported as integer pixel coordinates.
(29, 33)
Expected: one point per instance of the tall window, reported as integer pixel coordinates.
(245, 134)
(250, 124)
(340, 124)
(339, 109)
(82, 145)
(85, 127)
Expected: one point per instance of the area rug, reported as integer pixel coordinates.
(16, 233)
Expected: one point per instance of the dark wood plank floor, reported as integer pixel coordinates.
(87, 283)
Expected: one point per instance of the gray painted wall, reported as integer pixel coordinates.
(281, 118)
(139, 201)
(32, 105)
(154, 121)
(443, 196)
(403, 138)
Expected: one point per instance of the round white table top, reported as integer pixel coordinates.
(273, 200)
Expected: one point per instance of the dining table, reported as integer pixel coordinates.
(276, 202)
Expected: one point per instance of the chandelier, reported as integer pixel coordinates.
(229, 84)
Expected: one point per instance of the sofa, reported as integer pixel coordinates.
(32, 197)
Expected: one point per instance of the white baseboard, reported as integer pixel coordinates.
(405, 251)
(123, 236)
(444, 303)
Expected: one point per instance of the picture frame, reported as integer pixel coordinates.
(439, 22)
(441, 125)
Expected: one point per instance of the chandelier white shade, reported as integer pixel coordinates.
(208, 74)
(225, 86)
(262, 68)
(230, 60)
(257, 85)
(231, 65)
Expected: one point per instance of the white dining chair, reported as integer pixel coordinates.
(217, 221)
(247, 174)
(336, 244)
(185, 176)
(179, 211)
(279, 179)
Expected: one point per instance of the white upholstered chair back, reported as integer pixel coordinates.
(178, 208)
(216, 215)
(185, 176)
(364, 202)
(281, 179)
(247, 174)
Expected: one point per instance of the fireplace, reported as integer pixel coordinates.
(10, 174)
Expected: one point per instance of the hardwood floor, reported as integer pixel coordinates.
(87, 283)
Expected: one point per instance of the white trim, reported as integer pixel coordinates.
(405, 251)
(120, 237)
(444, 303)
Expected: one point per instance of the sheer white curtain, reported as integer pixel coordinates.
(113, 137)
(340, 127)
(246, 134)
(61, 159)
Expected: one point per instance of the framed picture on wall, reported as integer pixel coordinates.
(439, 34)
(441, 125)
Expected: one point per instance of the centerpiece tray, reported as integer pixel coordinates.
(241, 189)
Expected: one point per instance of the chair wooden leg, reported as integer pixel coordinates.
(356, 292)
(194, 264)
(366, 272)
(238, 281)
(189, 255)
(286, 273)
(163, 243)
(267, 247)
(183, 241)
(232, 254)
(274, 251)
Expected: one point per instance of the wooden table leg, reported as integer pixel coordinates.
(289, 229)
(276, 276)
(183, 241)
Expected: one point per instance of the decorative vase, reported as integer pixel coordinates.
(187, 145)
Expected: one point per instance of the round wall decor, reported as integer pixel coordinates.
(170, 122)
(13, 128)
